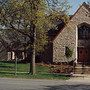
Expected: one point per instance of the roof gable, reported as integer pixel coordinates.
(85, 5)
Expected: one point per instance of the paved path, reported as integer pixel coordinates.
(25, 84)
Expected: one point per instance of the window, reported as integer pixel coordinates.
(84, 32)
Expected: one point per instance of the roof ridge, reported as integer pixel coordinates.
(87, 6)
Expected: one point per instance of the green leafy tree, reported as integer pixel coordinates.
(68, 52)
(26, 17)
(57, 10)
(32, 18)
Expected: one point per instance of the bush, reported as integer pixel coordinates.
(68, 52)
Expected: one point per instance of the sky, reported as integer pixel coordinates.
(75, 5)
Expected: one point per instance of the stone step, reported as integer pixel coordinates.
(78, 65)
(80, 70)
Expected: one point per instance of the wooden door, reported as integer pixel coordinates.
(82, 54)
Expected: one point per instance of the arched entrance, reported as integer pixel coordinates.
(84, 43)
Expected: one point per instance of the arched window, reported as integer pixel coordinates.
(84, 32)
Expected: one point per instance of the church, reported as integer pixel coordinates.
(72, 43)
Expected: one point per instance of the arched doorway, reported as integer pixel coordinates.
(84, 43)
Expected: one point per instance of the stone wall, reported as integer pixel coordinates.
(68, 36)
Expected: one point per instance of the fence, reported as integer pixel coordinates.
(14, 67)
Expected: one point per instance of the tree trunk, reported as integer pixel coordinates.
(32, 63)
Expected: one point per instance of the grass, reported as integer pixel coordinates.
(36, 76)
(42, 72)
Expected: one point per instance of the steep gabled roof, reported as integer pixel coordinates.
(54, 31)
(85, 5)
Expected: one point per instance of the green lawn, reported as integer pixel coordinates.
(42, 72)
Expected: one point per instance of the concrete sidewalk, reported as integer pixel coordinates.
(80, 77)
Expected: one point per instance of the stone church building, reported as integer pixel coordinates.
(72, 43)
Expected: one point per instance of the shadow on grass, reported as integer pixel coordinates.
(7, 61)
(49, 76)
(7, 67)
(68, 87)
(5, 72)
(29, 76)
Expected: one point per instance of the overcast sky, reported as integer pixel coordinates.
(75, 5)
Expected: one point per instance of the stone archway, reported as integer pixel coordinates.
(84, 43)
